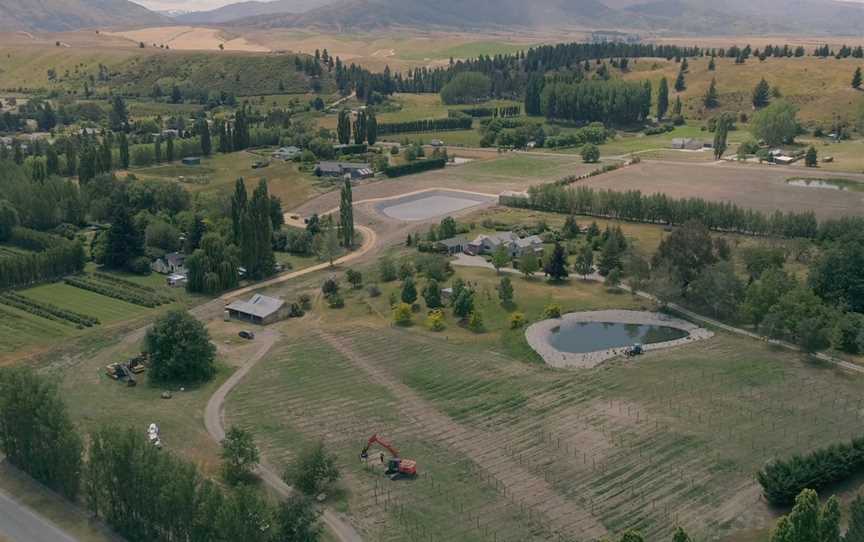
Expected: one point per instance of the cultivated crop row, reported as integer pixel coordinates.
(47, 310)
(116, 290)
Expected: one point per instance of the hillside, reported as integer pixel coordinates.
(672, 16)
(362, 15)
(248, 9)
(61, 15)
(137, 72)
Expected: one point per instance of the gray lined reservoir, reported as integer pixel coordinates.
(582, 337)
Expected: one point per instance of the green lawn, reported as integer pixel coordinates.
(19, 329)
(522, 165)
(284, 179)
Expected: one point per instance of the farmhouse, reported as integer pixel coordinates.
(344, 169)
(452, 246)
(170, 264)
(259, 310)
(687, 143)
(516, 246)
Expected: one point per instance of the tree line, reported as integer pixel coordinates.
(140, 491)
(52, 260)
(632, 205)
(783, 479)
(426, 125)
(610, 102)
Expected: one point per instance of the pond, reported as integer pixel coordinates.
(584, 337)
(830, 184)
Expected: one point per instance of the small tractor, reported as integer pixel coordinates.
(127, 370)
(635, 350)
(396, 467)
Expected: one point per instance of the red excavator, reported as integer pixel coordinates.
(396, 467)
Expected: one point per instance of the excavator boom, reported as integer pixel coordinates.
(375, 439)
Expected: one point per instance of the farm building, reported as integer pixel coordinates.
(687, 143)
(259, 310)
(286, 153)
(343, 169)
(516, 246)
(170, 264)
(192, 161)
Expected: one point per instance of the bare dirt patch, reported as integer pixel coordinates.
(762, 188)
(191, 38)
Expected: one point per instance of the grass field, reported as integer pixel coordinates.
(673, 439)
(106, 309)
(820, 87)
(220, 172)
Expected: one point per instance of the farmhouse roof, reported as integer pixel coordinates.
(261, 306)
(453, 242)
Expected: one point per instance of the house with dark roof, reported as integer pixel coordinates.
(260, 310)
(516, 246)
(451, 246)
(354, 170)
(170, 264)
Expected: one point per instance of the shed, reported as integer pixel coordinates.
(687, 143)
(260, 310)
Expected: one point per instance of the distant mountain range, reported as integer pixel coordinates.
(60, 15)
(242, 10)
(802, 17)
(714, 17)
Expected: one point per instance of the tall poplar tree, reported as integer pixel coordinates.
(721, 132)
(346, 216)
(343, 127)
(371, 128)
(124, 151)
(204, 134)
(662, 98)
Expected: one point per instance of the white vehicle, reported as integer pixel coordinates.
(153, 435)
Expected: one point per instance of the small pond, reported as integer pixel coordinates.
(584, 337)
(831, 184)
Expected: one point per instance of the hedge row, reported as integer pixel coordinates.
(47, 310)
(353, 149)
(427, 125)
(415, 167)
(783, 480)
(105, 277)
(33, 240)
(33, 268)
(484, 112)
(136, 298)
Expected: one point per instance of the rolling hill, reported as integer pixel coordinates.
(61, 15)
(807, 17)
(360, 15)
(249, 9)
